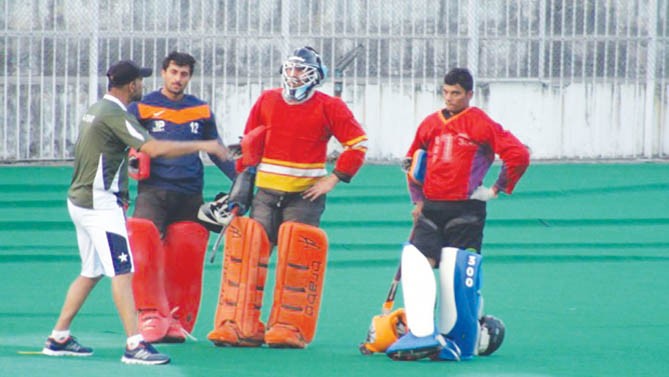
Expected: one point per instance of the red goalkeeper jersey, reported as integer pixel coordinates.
(460, 150)
(296, 140)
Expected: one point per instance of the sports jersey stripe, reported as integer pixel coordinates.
(454, 117)
(358, 147)
(291, 171)
(176, 116)
(283, 182)
(361, 140)
(299, 165)
(105, 185)
(133, 131)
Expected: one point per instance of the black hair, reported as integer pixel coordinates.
(181, 59)
(460, 76)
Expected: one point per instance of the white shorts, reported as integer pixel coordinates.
(103, 241)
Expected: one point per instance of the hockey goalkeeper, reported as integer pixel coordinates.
(460, 143)
(284, 152)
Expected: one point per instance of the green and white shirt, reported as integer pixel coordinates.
(100, 178)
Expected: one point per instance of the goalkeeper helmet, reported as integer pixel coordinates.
(384, 330)
(300, 73)
(491, 335)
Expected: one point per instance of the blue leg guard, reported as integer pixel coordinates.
(460, 300)
(411, 347)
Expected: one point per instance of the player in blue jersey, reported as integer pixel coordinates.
(170, 243)
(173, 190)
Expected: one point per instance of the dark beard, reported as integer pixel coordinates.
(136, 97)
(176, 94)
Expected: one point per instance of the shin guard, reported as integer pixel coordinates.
(148, 282)
(460, 299)
(185, 245)
(237, 321)
(299, 284)
(419, 290)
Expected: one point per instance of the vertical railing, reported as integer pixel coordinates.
(5, 86)
(570, 45)
(473, 37)
(649, 120)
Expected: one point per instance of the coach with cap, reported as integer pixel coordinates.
(97, 198)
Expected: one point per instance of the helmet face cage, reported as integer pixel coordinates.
(300, 73)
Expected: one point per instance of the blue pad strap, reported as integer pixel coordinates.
(418, 166)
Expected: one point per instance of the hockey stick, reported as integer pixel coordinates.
(212, 253)
(392, 291)
(369, 346)
(240, 197)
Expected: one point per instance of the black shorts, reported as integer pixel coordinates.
(271, 208)
(449, 224)
(165, 207)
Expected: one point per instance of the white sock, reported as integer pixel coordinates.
(133, 341)
(60, 335)
(419, 290)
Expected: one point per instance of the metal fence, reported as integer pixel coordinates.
(386, 58)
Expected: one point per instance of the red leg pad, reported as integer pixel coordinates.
(237, 321)
(148, 281)
(148, 257)
(299, 285)
(185, 246)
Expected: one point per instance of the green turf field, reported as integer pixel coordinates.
(575, 263)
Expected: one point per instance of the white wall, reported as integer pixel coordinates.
(576, 121)
(600, 120)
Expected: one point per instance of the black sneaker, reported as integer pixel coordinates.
(70, 347)
(144, 354)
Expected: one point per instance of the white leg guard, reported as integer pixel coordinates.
(419, 291)
(460, 299)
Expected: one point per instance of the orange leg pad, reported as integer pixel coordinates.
(299, 285)
(247, 249)
(185, 246)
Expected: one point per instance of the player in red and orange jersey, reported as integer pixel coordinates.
(291, 127)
